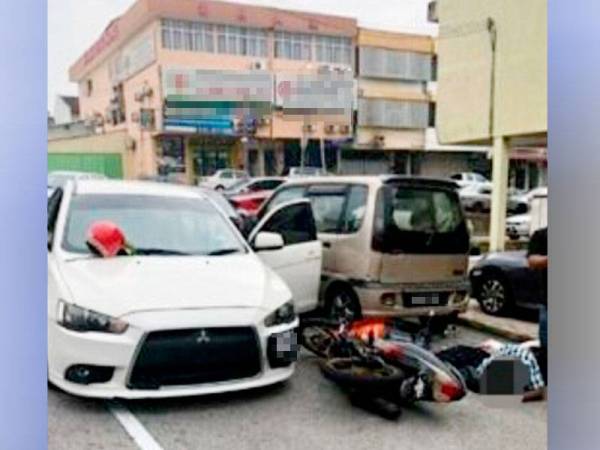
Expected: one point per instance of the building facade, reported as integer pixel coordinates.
(493, 89)
(396, 110)
(122, 85)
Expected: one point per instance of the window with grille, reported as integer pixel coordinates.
(393, 113)
(394, 64)
(296, 46)
(200, 37)
(333, 49)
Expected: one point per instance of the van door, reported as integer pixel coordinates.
(299, 261)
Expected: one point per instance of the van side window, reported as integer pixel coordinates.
(355, 209)
(328, 202)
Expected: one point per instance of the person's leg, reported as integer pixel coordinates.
(543, 359)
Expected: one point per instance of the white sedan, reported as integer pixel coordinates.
(194, 310)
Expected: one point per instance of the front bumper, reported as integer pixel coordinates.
(67, 348)
(376, 299)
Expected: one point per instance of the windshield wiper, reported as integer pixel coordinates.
(224, 251)
(158, 251)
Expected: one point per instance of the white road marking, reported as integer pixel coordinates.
(133, 426)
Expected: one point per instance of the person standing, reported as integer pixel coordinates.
(537, 258)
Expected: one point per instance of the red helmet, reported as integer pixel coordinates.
(105, 238)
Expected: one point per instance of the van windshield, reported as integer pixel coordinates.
(419, 219)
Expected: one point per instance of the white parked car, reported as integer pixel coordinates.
(58, 178)
(195, 309)
(478, 198)
(464, 179)
(306, 171)
(224, 179)
(518, 226)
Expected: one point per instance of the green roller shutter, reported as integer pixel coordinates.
(110, 164)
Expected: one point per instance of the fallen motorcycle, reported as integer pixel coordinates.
(381, 367)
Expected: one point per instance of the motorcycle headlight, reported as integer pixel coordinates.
(284, 314)
(76, 318)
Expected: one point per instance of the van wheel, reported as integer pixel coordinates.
(342, 303)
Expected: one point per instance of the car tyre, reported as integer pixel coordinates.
(342, 302)
(220, 188)
(493, 294)
(478, 207)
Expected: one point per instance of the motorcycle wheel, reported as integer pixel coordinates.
(358, 373)
(317, 339)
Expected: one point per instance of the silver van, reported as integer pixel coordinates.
(392, 245)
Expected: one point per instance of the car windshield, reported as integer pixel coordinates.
(153, 224)
(413, 219)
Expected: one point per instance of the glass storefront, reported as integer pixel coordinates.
(211, 153)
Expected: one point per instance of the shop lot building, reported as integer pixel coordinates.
(493, 89)
(122, 86)
(127, 128)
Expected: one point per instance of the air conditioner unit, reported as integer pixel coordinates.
(147, 91)
(379, 141)
(330, 129)
(258, 65)
(308, 128)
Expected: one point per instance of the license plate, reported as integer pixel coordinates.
(426, 299)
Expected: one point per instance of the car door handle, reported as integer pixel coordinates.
(327, 244)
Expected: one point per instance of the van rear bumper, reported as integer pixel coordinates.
(413, 299)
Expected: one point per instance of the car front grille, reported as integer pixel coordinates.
(196, 356)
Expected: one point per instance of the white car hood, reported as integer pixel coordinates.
(123, 285)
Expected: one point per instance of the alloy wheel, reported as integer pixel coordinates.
(493, 296)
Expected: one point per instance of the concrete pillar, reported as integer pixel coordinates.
(500, 161)
(190, 176)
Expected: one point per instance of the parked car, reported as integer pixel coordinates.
(305, 171)
(194, 310)
(252, 185)
(500, 281)
(223, 179)
(464, 179)
(249, 203)
(392, 245)
(58, 178)
(518, 226)
(478, 198)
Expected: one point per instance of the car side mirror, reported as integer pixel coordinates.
(50, 236)
(475, 250)
(267, 241)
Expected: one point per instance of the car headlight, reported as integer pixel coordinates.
(76, 318)
(284, 314)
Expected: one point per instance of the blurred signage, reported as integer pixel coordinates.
(322, 94)
(206, 93)
(132, 58)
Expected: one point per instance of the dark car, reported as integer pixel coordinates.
(501, 281)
